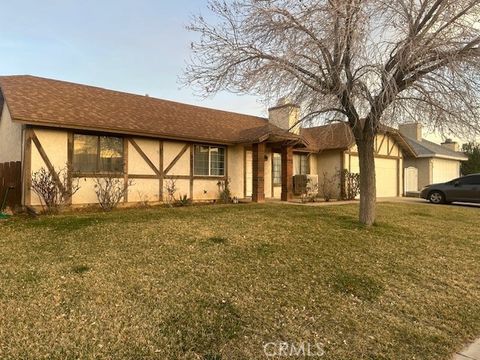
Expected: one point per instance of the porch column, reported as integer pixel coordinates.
(287, 173)
(258, 173)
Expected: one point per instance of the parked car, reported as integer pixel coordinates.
(463, 189)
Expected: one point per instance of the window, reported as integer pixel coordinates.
(470, 180)
(277, 169)
(209, 161)
(303, 165)
(97, 153)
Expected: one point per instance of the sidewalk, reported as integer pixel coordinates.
(471, 352)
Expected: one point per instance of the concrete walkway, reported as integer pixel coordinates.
(471, 352)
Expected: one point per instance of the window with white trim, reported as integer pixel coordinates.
(208, 160)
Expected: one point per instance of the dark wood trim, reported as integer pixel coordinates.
(244, 172)
(177, 177)
(87, 175)
(378, 147)
(27, 168)
(342, 168)
(144, 157)
(191, 171)
(69, 165)
(47, 162)
(175, 160)
(160, 167)
(377, 156)
(125, 170)
(144, 177)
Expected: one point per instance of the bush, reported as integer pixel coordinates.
(328, 186)
(110, 190)
(225, 194)
(351, 185)
(54, 189)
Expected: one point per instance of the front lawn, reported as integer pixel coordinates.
(220, 282)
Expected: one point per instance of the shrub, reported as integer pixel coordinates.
(110, 190)
(170, 189)
(311, 192)
(328, 185)
(351, 184)
(54, 189)
(225, 194)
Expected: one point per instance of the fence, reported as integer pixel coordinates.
(11, 178)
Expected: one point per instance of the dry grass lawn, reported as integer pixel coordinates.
(218, 282)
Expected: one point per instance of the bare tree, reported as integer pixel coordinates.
(363, 62)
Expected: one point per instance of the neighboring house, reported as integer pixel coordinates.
(98, 132)
(433, 163)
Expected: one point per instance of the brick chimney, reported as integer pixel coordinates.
(285, 115)
(451, 145)
(412, 130)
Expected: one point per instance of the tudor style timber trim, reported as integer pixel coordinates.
(125, 170)
(145, 157)
(192, 149)
(70, 166)
(47, 162)
(162, 173)
(27, 167)
(175, 160)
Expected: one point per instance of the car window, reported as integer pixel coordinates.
(470, 180)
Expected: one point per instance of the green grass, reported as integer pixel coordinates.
(218, 282)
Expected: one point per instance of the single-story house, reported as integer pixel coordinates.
(93, 131)
(432, 163)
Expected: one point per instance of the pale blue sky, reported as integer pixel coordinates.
(135, 46)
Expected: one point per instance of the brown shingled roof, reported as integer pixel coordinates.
(339, 136)
(47, 102)
(328, 137)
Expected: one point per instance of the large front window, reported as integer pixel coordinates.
(209, 160)
(277, 169)
(97, 154)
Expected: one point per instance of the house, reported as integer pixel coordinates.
(432, 163)
(98, 132)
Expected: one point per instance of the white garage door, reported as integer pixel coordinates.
(386, 175)
(445, 170)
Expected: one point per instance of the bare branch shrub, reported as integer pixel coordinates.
(224, 191)
(311, 192)
(171, 190)
(328, 185)
(110, 190)
(351, 184)
(54, 189)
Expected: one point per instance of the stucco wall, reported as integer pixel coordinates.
(329, 163)
(55, 144)
(10, 138)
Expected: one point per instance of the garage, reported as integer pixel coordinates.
(386, 175)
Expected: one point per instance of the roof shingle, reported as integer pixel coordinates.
(56, 103)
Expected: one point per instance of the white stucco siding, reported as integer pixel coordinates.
(444, 170)
(236, 170)
(54, 143)
(329, 163)
(10, 137)
(86, 192)
(144, 190)
(136, 164)
(206, 189)
(170, 152)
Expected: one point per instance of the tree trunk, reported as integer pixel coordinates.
(368, 191)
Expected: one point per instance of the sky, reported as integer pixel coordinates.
(137, 46)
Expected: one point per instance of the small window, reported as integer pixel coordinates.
(304, 165)
(93, 154)
(470, 180)
(208, 161)
(277, 169)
